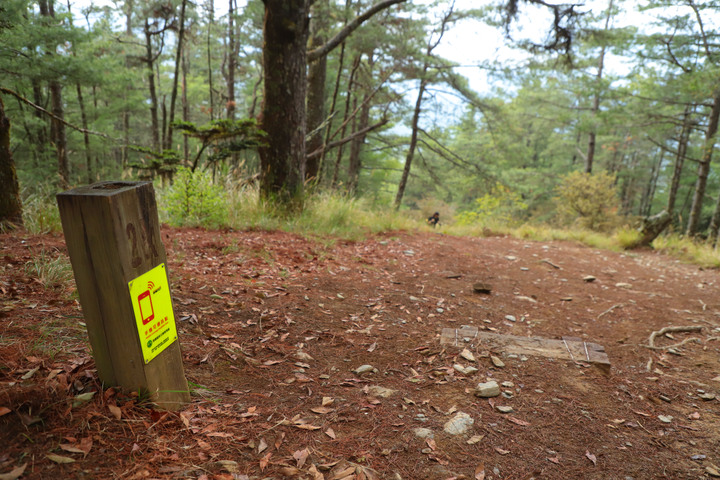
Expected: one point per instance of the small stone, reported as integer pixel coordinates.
(510, 318)
(409, 253)
(426, 450)
(510, 258)
(459, 424)
(665, 418)
(707, 396)
(623, 285)
(588, 278)
(496, 361)
(300, 355)
(503, 409)
(364, 369)
(507, 384)
(698, 457)
(414, 299)
(712, 471)
(467, 355)
(487, 389)
(464, 370)
(482, 287)
(382, 392)
(439, 310)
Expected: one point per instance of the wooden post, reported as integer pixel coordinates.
(113, 238)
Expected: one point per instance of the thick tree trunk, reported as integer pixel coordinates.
(282, 158)
(10, 204)
(704, 167)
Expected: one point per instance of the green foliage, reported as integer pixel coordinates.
(499, 206)
(628, 238)
(226, 136)
(40, 211)
(589, 199)
(688, 250)
(193, 200)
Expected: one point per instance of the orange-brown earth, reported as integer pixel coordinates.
(272, 327)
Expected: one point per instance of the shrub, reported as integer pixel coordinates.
(589, 199)
(193, 200)
(499, 206)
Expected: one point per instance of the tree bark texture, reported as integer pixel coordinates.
(10, 204)
(150, 63)
(704, 167)
(178, 61)
(282, 158)
(413, 140)
(679, 161)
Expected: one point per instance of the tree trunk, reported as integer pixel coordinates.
(355, 162)
(346, 115)
(679, 161)
(413, 139)
(317, 74)
(651, 186)
(10, 204)
(704, 167)
(185, 105)
(282, 158)
(211, 22)
(592, 140)
(178, 60)
(232, 60)
(149, 63)
(124, 151)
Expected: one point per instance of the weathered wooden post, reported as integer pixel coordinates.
(113, 238)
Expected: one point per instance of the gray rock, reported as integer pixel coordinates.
(364, 369)
(423, 433)
(487, 389)
(459, 424)
(497, 362)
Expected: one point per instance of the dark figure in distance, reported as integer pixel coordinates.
(434, 219)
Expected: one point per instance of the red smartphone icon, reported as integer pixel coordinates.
(146, 307)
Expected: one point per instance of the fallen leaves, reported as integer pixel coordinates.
(14, 474)
(591, 457)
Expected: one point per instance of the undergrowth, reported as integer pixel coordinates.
(198, 202)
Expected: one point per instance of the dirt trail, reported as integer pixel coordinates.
(275, 328)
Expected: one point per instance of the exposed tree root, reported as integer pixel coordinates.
(663, 331)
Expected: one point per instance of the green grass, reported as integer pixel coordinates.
(50, 271)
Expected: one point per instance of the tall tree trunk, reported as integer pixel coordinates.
(592, 137)
(355, 161)
(317, 74)
(346, 115)
(704, 167)
(185, 104)
(282, 158)
(83, 115)
(211, 22)
(58, 134)
(125, 149)
(10, 204)
(649, 191)
(150, 65)
(178, 60)
(413, 139)
(679, 161)
(232, 61)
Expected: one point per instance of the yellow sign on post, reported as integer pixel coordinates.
(154, 317)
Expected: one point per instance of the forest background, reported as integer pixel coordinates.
(594, 122)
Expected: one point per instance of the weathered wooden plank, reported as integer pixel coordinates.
(112, 235)
(569, 348)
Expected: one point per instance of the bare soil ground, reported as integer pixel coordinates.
(272, 327)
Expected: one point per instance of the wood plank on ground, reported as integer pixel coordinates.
(568, 348)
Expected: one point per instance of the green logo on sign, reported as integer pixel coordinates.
(149, 344)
